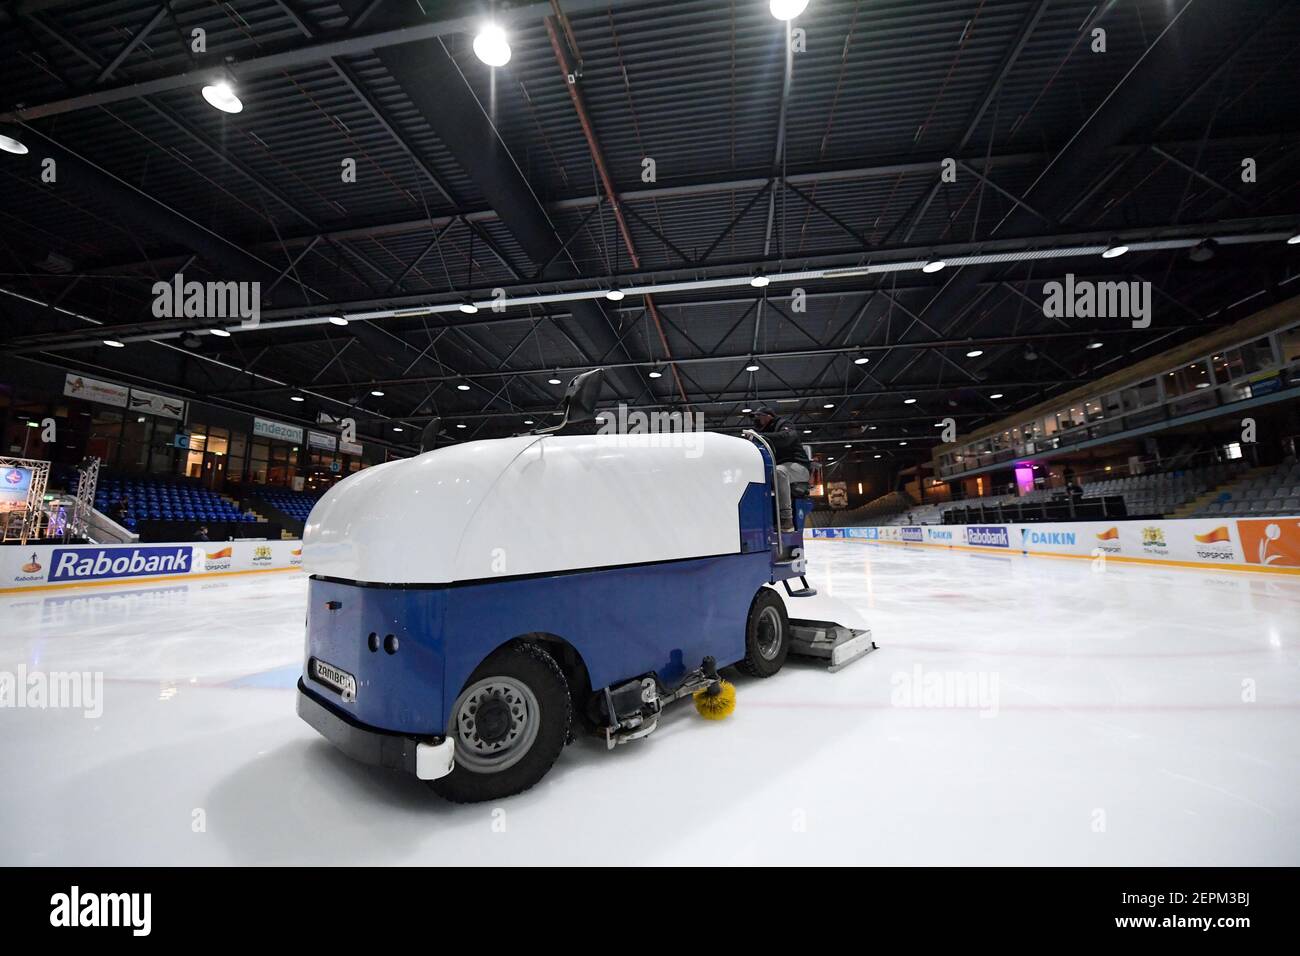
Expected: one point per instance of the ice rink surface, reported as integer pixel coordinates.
(1130, 716)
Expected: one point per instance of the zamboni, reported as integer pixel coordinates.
(470, 605)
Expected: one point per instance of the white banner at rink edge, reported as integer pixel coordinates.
(1243, 544)
(58, 566)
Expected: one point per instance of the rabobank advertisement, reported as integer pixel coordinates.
(37, 566)
(94, 564)
(1244, 544)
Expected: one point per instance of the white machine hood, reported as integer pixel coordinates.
(531, 505)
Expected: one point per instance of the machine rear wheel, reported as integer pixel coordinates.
(509, 724)
(767, 635)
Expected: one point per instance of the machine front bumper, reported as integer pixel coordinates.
(426, 759)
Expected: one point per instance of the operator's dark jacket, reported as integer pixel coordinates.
(785, 443)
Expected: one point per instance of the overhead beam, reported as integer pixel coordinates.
(253, 61)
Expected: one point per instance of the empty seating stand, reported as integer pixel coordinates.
(1271, 491)
(164, 508)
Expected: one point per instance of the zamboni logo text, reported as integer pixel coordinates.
(88, 564)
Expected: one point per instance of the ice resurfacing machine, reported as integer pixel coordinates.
(470, 606)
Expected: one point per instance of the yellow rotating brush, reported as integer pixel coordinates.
(717, 700)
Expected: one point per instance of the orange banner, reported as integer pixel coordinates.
(1271, 541)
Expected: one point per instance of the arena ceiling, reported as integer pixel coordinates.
(807, 147)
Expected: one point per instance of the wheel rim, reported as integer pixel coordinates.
(496, 722)
(768, 635)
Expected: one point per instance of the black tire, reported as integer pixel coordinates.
(767, 635)
(521, 669)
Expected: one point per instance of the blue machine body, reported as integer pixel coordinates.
(662, 618)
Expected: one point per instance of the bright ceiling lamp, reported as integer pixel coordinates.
(378, 393)
(996, 395)
(491, 45)
(861, 360)
(1114, 251)
(974, 353)
(909, 401)
(296, 398)
(752, 367)
(554, 379)
(462, 425)
(787, 9)
(114, 343)
(615, 295)
(829, 405)
(397, 428)
(933, 266)
(222, 96)
(11, 145)
(746, 411)
(219, 333)
(462, 387)
(655, 373)
(1094, 344)
(338, 320)
(469, 308)
(1293, 241)
(760, 282)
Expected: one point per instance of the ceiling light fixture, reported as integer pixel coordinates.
(10, 145)
(615, 295)
(1094, 344)
(996, 395)
(933, 266)
(462, 425)
(222, 96)
(296, 398)
(655, 373)
(377, 393)
(829, 405)
(751, 367)
(554, 379)
(491, 45)
(760, 282)
(462, 387)
(338, 320)
(861, 360)
(114, 344)
(1114, 251)
(909, 401)
(1294, 240)
(787, 9)
(219, 333)
(469, 308)
(974, 353)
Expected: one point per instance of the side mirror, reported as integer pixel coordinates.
(429, 437)
(581, 396)
(580, 400)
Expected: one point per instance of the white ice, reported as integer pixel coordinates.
(1133, 716)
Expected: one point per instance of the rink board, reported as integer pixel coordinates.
(48, 566)
(1239, 544)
